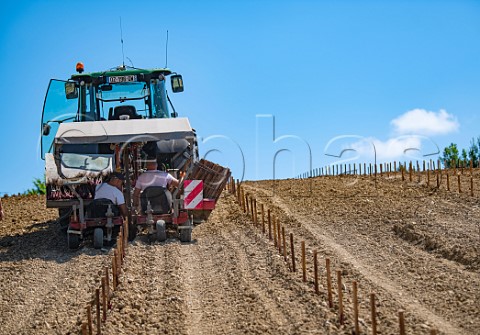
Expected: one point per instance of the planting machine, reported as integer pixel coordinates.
(101, 123)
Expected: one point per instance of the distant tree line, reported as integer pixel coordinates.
(452, 156)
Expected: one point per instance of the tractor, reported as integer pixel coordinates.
(98, 124)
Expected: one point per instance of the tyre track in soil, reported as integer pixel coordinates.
(227, 281)
(364, 256)
(44, 287)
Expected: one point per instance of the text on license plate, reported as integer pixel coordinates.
(122, 79)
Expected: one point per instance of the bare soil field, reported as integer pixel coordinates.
(417, 248)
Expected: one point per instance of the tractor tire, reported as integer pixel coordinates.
(185, 234)
(73, 241)
(98, 238)
(161, 231)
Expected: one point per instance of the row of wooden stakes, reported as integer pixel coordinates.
(97, 308)
(271, 227)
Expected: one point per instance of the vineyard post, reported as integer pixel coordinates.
(438, 181)
(89, 319)
(315, 271)
(355, 308)
(114, 270)
(364, 169)
(263, 218)
(459, 185)
(370, 170)
(304, 263)
(243, 202)
(84, 328)
(394, 167)
(381, 170)
(403, 173)
(97, 303)
(471, 167)
(401, 321)
(374, 314)
(269, 225)
(471, 186)
(255, 211)
(423, 165)
(329, 283)
(292, 249)
(107, 284)
(428, 178)
(284, 244)
(448, 182)
(279, 237)
(247, 205)
(104, 298)
(410, 171)
(340, 296)
(251, 210)
(274, 221)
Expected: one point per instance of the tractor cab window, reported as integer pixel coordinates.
(60, 106)
(113, 97)
(87, 108)
(160, 109)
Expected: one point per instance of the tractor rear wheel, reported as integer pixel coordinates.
(161, 231)
(98, 238)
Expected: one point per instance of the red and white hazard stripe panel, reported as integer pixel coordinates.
(193, 194)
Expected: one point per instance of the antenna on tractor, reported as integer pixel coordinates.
(166, 51)
(121, 40)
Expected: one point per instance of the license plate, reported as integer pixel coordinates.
(122, 79)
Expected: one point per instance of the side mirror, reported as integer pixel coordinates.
(46, 129)
(177, 83)
(174, 114)
(71, 91)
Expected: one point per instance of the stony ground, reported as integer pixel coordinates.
(416, 248)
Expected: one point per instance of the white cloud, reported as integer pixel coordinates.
(393, 148)
(423, 122)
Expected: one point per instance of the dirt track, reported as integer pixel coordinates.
(417, 248)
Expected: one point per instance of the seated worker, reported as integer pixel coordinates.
(112, 189)
(152, 177)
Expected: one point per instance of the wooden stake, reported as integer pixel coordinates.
(252, 210)
(340, 296)
(114, 270)
(279, 237)
(355, 308)
(438, 181)
(381, 170)
(89, 319)
(107, 284)
(84, 328)
(374, 313)
(274, 231)
(292, 251)
(104, 298)
(97, 302)
(410, 171)
(263, 218)
(269, 225)
(403, 173)
(459, 185)
(448, 182)
(246, 204)
(471, 186)
(284, 245)
(315, 272)
(304, 263)
(428, 178)
(401, 321)
(329, 283)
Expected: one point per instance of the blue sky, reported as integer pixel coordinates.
(379, 70)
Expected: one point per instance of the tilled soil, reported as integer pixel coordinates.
(417, 248)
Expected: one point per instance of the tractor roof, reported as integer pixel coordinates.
(123, 71)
